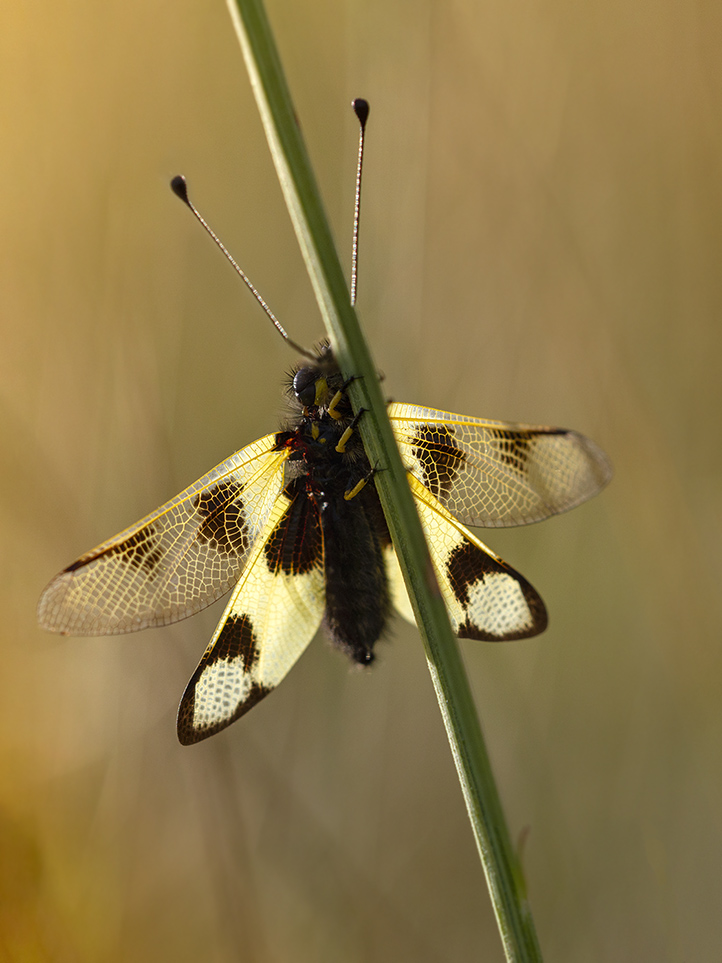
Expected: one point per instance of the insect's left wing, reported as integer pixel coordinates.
(177, 560)
(271, 617)
(486, 599)
(493, 473)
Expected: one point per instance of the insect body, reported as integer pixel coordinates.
(293, 524)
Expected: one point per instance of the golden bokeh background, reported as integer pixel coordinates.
(541, 241)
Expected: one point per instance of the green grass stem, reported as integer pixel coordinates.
(501, 866)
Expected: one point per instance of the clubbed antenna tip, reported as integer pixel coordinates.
(361, 109)
(180, 188)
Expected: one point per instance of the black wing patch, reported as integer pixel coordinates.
(223, 526)
(438, 458)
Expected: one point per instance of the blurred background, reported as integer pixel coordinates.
(541, 240)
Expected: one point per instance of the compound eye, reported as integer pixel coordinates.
(304, 385)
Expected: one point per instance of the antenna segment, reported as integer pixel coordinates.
(361, 109)
(180, 189)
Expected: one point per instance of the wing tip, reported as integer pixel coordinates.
(49, 610)
(190, 731)
(538, 623)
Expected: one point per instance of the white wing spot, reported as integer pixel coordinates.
(497, 605)
(221, 688)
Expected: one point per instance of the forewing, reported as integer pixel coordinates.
(496, 474)
(273, 614)
(176, 561)
(486, 599)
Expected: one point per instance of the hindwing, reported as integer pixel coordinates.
(272, 616)
(494, 473)
(397, 585)
(486, 599)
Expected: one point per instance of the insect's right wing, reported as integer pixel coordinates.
(494, 473)
(177, 560)
(273, 614)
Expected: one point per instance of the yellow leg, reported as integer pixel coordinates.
(336, 400)
(343, 440)
(353, 492)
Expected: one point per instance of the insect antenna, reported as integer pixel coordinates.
(361, 109)
(180, 189)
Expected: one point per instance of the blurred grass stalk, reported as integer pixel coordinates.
(499, 860)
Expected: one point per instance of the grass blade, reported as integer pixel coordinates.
(499, 860)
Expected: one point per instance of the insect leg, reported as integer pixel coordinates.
(344, 439)
(336, 400)
(353, 492)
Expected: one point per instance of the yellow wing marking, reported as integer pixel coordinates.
(485, 597)
(178, 559)
(494, 473)
(397, 586)
(270, 619)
